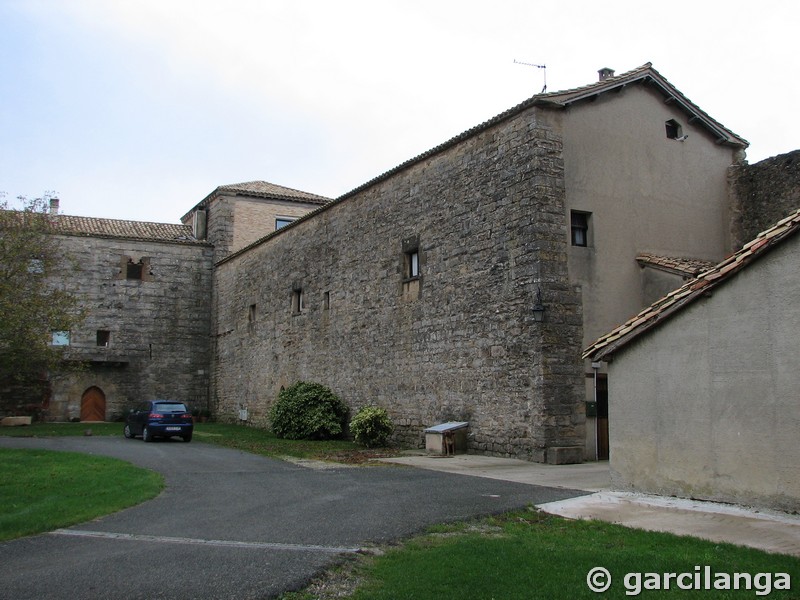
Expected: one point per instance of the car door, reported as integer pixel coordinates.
(139, 417)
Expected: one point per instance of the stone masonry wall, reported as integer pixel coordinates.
(159, 326)
(486, 216)
(763, 194)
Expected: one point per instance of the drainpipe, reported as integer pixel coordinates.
(596, 368)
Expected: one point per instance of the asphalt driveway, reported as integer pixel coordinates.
(236, 525)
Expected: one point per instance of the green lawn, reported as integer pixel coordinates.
(42, 490)
(249, 439)
(528, 555)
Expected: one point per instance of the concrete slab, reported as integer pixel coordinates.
(591, 477)
(765, 530)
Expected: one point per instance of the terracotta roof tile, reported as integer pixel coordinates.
(693, 289)
(115, 228)
(687, 267)
(266, 189)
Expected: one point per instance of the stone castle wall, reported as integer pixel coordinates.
(330, 299)
(158, 326)
(763, 194)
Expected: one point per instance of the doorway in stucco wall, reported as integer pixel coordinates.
(602, 417)
(93, 405)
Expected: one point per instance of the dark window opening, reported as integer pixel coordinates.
(579, 222)
(326, 301)
(133, 270)
(674, 130)
(103, 337)
(251, 317)
(411, 264)
(298, 301)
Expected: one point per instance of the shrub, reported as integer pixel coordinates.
(371, 426)
(308, 411)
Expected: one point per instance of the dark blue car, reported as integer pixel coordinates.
(159, 418)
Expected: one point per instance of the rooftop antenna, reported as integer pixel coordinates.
(542, 67)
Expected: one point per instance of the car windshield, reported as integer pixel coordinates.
(169, 407)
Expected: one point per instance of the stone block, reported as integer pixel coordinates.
(15, 421)
(564, 455)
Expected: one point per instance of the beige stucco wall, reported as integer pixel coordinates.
(255, 217)
(645, 193)
(706, 406)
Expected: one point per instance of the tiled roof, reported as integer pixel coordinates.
(662, 309)
(648, 75)
(686, 267)
(262, 189)
(115, 228)
(266, 189)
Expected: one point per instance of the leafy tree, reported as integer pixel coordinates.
(33, 301)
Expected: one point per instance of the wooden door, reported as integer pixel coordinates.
(93, 405)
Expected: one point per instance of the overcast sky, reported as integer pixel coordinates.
(138, 109)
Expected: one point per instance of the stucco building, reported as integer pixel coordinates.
(704, 381)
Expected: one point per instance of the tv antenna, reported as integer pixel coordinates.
(542, 67)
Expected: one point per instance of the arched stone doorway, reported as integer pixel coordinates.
(93, 405)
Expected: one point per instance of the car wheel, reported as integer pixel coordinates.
(127, 432)
(187, 438)
(146, 435)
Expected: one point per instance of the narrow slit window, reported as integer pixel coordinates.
(298, 301)
(326, 301)
(411, 266)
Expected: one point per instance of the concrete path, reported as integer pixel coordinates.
(235, 525)
(765, 530)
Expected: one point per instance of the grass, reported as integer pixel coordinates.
(530, 555)
(265, 443)
(239, 437)
(61, 429)
(42, 490)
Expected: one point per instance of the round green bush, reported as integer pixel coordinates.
(308, 411)
(371, 426)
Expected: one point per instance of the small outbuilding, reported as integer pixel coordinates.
(447, 438)
(703, 384)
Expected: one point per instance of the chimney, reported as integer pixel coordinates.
(605, 73)
(53, 206)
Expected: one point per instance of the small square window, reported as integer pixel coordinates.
(579, 222)
(673, 129)
(36, 266)
(103, 337)
(133, 270)
(60, 338)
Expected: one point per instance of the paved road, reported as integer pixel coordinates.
(235, 525)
